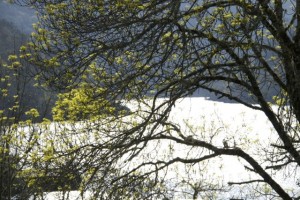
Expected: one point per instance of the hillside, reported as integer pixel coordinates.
(20, 17)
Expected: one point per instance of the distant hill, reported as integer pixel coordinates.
(21, 17)
(11, 38)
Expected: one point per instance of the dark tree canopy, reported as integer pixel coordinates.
(244, 50)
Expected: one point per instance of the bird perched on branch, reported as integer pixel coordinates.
(225, 144)
(189, 139)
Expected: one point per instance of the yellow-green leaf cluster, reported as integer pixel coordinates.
(81, 103)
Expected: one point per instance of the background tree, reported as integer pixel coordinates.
(243, 50)
(25, 152)
(15, 144)
(22, 105)
(32, 96)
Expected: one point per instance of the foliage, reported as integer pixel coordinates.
(24, 159)
(19, 111)
(13, 145)
(238, 49)
(82, 103)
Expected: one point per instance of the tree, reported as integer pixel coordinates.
(244, 50)
(25, 170)
(20, 103)
(23, 85)
(15, 144)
